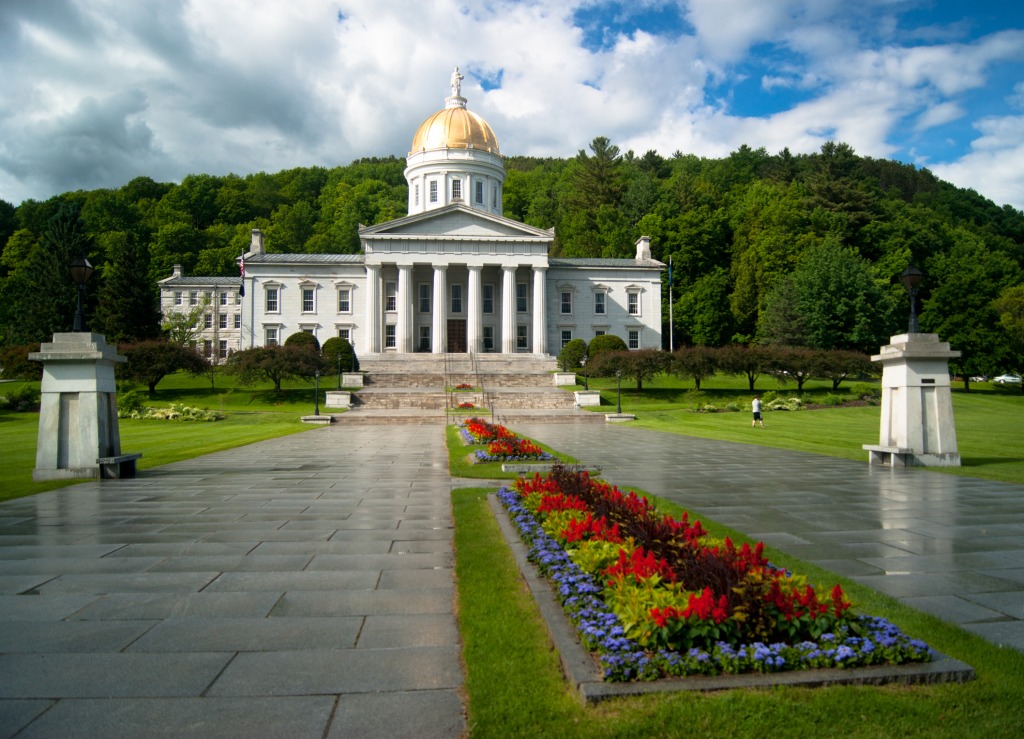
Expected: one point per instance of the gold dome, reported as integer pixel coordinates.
(455, 128)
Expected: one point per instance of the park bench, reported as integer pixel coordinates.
(117, 467)
(891, 456)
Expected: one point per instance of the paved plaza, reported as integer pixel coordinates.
(304, 586)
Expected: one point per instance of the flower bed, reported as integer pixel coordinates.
(654, 596)
(502, 445)
(466, 406)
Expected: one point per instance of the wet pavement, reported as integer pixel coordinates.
(304, 586)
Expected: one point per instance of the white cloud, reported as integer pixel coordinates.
(995, 163)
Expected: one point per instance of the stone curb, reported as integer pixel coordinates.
(583, 672)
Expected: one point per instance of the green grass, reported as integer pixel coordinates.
(515, 687)
(988, 421)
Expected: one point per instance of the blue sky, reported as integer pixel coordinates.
(96, 92)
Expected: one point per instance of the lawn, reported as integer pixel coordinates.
(987, 420)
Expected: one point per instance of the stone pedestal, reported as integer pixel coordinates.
(351, 379)
(564, 378)
(917, 425)
(338, 399)
(78, 407)
(587, 397)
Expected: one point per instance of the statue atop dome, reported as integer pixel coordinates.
(456, 83)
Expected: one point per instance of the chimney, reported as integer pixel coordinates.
(643, 248)
(177, 271)
(257, 242)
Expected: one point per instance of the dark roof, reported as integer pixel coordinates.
(304, 258)
(608, 263)
(199, 281)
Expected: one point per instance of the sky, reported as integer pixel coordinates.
(94, 93)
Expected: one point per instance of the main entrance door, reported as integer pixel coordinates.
(457, 335)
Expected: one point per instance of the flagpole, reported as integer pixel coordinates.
(671, 323)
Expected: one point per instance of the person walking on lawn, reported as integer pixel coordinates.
(757, 413)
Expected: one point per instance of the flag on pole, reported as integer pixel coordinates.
(241, 268)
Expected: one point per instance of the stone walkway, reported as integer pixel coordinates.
(299, 587)
(951, 546)
(304, 587)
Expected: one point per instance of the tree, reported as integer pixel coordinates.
(272, 363)
(966, 280)
(302, 339)
(572, 354)
(800, 364)
(15, 364)
(643, 364)
(151, 361)
(696, 362)
(702, 311)
(127, 304)
(183, 327)
(1010, 308)
(752, 361)
(840, 365)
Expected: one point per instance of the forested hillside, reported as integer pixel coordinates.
(792, 249)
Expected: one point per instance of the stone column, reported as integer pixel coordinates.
(403, 335)
(475, 314)
(371, 340)
(439, 332)
(77, 408)
(540, 321)
(508, 309)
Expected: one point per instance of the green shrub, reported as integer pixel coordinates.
(605, 343)
(866, 391)
(302, 338)
(339, 348)
(131, 404)
(733, 407)
(572, 354)
(832, 400)
(696, 397)
(23, 399)
(768, 397)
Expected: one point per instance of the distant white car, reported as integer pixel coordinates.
(1007, 380)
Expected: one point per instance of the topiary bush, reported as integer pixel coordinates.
(302, 338)
(339, 346)
(605, 343)
(572, 354)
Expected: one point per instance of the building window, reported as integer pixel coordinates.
(344, 300)
(390, 296)
(456, 298)
(238, 299)
(599, 332)
(193, 298)
(566, 302)
(634, 303)
(222, 349)
(273, 305)
(634, 338)
(521, 301)
(566, 336)
(480, 193)
(599, 303)
(425, 297)
(238, 320)
(488, 338)
(207, 321)
(308, 300)
(488, 298)
(390, 337)
(207, 348)
(223, 298)
(456, 190)
(433, 192)
(494, 197)
(178, 298)
(416, 196)
(521, 337)
(424, 339)
(223, 320)
(270, 336)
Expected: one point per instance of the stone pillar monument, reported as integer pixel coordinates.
(917, 407)
(78, 407)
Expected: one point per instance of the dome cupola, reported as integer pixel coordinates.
(454, 158)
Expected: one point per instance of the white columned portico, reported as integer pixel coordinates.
(403, 336)
(439, 332)
(540, 320)
(475, 311)
(508, 309)
(371, 344)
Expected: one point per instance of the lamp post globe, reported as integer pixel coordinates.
(586, 377)
(81, 271)
(911, 279)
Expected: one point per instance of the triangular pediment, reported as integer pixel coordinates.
(456, 221)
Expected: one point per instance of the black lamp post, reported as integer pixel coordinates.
(81, 271)
(911, 279)
(339, 370)
(586, 379)
(316, 393)
(618, 391)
